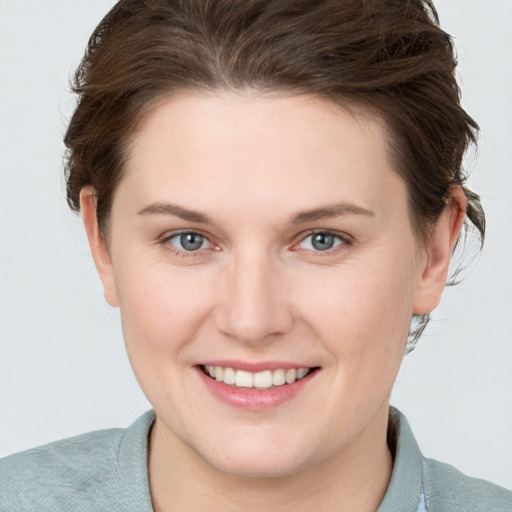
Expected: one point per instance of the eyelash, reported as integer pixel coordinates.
(344, 239)
(182, 253)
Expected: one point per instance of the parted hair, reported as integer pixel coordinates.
(389, 57)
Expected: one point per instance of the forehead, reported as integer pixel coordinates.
(261, 151)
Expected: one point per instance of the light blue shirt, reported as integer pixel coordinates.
(422, 507)
(107, 471)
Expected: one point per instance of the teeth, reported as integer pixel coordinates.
(260, 380)
(229, 376)
(278, 378)
(302, 372)
(243, 379)
(291, 376)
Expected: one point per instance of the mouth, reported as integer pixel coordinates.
(263, 380)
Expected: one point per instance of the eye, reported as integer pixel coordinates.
(321, 241)
(189, 241)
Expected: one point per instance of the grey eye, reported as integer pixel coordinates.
(189, 241)
(321, 241)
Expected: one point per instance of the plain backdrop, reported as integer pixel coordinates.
(63, 368)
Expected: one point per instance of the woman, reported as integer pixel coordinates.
(271, 192)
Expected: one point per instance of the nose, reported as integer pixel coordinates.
(253, 302)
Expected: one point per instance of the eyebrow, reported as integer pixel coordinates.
(335, 210)
(177, 211)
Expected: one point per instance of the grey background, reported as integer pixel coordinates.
(63, 369)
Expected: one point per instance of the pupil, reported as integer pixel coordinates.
(191, 241)
(323, 241)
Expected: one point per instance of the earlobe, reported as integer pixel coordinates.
(439, 248)
(97, 244)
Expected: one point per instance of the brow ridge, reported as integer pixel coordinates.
(177, 211)
(335, 210)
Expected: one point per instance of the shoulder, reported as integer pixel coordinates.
(445, 488)
(448, 489)
(55, 475)
(86, 472)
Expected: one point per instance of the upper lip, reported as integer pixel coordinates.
(255, 367)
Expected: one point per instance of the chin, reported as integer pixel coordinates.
(251, 459)
(258, 468)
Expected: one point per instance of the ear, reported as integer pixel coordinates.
(97, 244)
(439, 248)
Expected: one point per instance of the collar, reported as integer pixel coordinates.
(405, 486)
(403, 494)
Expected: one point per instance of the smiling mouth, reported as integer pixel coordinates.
(267, 379)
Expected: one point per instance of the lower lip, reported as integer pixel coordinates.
(254, 399)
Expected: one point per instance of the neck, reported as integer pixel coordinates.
(355, 479)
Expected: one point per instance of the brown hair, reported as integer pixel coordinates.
(389, 56)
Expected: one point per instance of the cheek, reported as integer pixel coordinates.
(363, 316)
(161, 306)
(372, 311)
(358, 305)
(161, 313)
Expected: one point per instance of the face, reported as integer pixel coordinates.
(258, 239)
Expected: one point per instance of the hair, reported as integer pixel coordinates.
(389, 57)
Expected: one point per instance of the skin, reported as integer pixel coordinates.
(258, 290)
